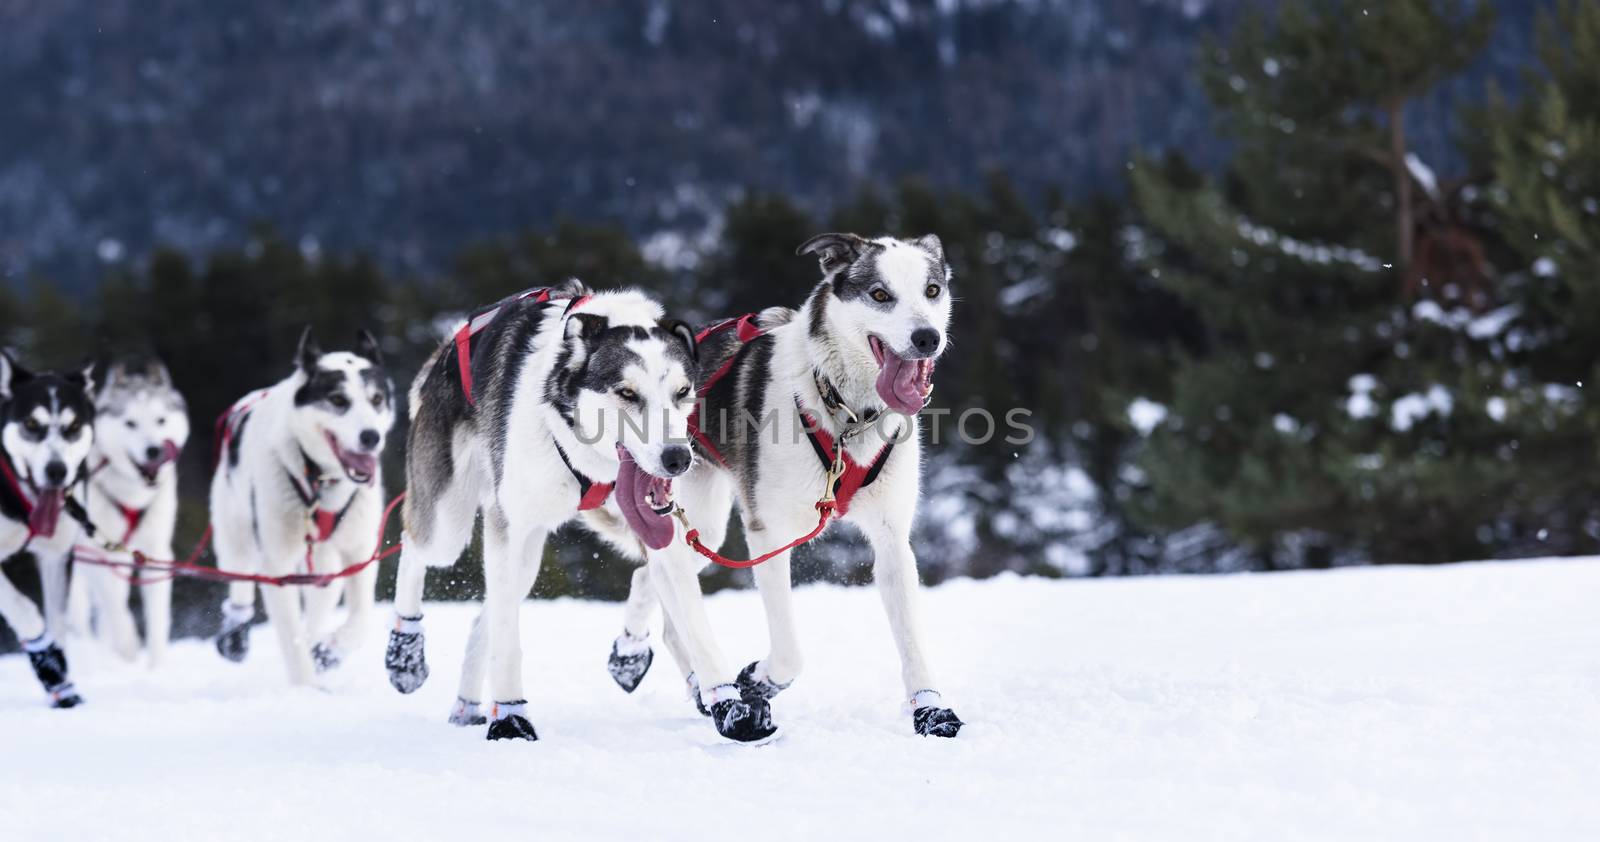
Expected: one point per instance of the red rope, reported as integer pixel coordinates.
(692, 537)
(189, 567)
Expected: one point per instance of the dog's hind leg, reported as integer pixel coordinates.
(468, 708)
(504, 569)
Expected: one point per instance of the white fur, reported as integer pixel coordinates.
(146, 414)
(274, 438)
(790, 480)
(537, 494)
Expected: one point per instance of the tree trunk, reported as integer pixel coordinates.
(1405, 225)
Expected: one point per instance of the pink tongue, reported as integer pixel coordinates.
(633, 487)
(46, 512)
(169, 452)
(899, 383)
(361, 463)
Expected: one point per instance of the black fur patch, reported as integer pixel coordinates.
(236, 442)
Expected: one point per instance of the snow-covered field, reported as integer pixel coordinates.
(1400, 703)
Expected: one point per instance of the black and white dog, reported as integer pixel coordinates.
(141, 426)
(856, 361)
(46, 431)
(298, 489)
(531, 419)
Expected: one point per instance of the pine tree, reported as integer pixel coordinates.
(1319, 420)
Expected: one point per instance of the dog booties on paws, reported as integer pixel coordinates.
(50, 666)
(931, 720)
(233, 642)
(756, 686)
(404, 657)
(739, 720)
(467, 712)
(510, 723)
(629, 661)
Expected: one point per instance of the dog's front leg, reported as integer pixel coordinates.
(284, 612)
(157, 599)
(502, 605)
(114, 617)
(468, 708)
(894, 568)
(674, 575)
(320, 603)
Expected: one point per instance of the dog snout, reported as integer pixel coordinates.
(55, 473)
(152, 453)
(370, 439)
(925, 341)
(675, 459)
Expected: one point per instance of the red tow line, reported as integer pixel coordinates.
(191, 568)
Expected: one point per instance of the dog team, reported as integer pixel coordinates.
(551, 406)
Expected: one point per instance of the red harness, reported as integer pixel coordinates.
(592, 495)
(855, 477)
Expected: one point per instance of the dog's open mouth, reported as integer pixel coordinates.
(47, 512)
(152, 469)
(359, 467)
(645, 500)
(904, 385)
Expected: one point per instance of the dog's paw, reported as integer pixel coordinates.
(756, 686)
(630, 660)
(49, 662)
(936, 722)
(466, 713)
(65, 696)
(405, 659)
(325, 656)
(233, 641)
(743, 722)
(510, 723)
(694, 695)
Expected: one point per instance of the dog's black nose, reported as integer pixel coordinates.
(370, 439)
(925, 340)
(675, 459)
(152, 453)
(56, 473)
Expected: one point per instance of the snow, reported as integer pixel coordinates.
(1423, 174)
(1145, 415)
(1360, 403)
(1410, 408)
(1373, 703)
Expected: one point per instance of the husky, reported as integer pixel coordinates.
(46, 432)
(543, 406)
(855, 363)
(141, 425)
(298, 489)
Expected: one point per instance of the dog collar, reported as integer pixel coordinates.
(591, 494)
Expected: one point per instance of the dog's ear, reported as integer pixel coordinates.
(367, 347)
(835, 251)
(569, 288)
(156, 372)
(931, 244)
(683, 333)
(82, 377)
(11, 374)
(306, 356)
(586, 326)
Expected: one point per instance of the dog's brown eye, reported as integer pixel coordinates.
(932, 291)
(627, 394)
(339, 402)
(33, 427)
(880, 296)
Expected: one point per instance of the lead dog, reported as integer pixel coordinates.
(46, 430)
(560, 395)
(298, 489)
(858, 356)
(141, 426)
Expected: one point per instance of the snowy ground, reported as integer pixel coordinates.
(1449, 703)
